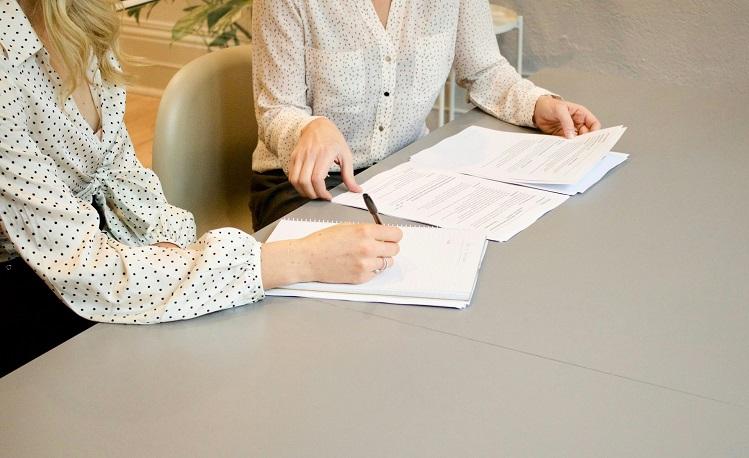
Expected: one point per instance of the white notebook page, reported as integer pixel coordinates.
(434, 267)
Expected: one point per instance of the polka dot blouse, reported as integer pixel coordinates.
(335, 59)
(83, 212)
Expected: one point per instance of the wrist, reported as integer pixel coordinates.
(299, 259)
(539, 102)
(313, 123)
(285, 262)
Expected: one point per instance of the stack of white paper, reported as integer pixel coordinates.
(481, 179)
(435, 267)
(540, 161)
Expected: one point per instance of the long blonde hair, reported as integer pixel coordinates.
(80, 30)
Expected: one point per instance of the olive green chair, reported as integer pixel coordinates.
(205, 134)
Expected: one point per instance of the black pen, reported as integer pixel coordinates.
(372, 208)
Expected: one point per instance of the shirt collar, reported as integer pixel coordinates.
(17, 37)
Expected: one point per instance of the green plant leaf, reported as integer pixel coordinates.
(216, 14)
(190, 22)
(136, 11)
(223, 39)
(217, 20)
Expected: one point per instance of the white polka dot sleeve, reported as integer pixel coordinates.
(279, 76)
(493, 84)
(100, 278)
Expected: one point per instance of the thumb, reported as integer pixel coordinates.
(565, 120)
(345, 161)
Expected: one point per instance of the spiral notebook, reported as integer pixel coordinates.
(435, 266)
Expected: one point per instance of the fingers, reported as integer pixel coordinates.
(385, 233)
(366, 232)
(294, 169)
(305, 178)
(584, 120)
(592, 123)
(378, 239)
(565, 120)
(357, 251)
(310, 178)
(578, 116)
(374, 258)
(320, 144)
(386, 249)
(299, 174)
(307, 175)
(371, 267)
(319, 174)
(345, 161)
(385, 262)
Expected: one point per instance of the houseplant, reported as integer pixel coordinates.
(217, 20)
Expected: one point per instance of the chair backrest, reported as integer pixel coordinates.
(205, 134)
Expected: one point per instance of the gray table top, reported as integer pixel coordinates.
(614, 326)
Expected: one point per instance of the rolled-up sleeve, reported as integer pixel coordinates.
(492, 83)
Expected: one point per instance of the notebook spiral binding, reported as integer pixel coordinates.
(327, 221)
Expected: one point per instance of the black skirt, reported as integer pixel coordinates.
(34, 320)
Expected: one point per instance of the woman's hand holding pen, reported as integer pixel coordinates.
(320, 145)
(345, 253)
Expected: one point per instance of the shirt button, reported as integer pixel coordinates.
(381, 128)
(387, 59)
(387, 94)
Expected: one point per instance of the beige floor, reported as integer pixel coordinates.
(140, 119)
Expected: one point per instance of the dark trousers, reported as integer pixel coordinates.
(273, 196)
(33, 319)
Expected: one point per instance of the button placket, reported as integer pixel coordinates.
(385, 106)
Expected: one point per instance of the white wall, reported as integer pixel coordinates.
(687, 42)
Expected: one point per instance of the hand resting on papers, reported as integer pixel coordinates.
(565, 119)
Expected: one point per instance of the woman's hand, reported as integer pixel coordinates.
(345, 253)
(566, 119)
(320, 145)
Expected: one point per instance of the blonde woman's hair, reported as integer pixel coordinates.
(80, 30)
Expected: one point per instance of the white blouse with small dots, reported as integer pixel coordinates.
(53, 168)
(335, 59)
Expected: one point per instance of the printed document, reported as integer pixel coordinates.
(532, 159)
(452, 200)
(609, 162)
